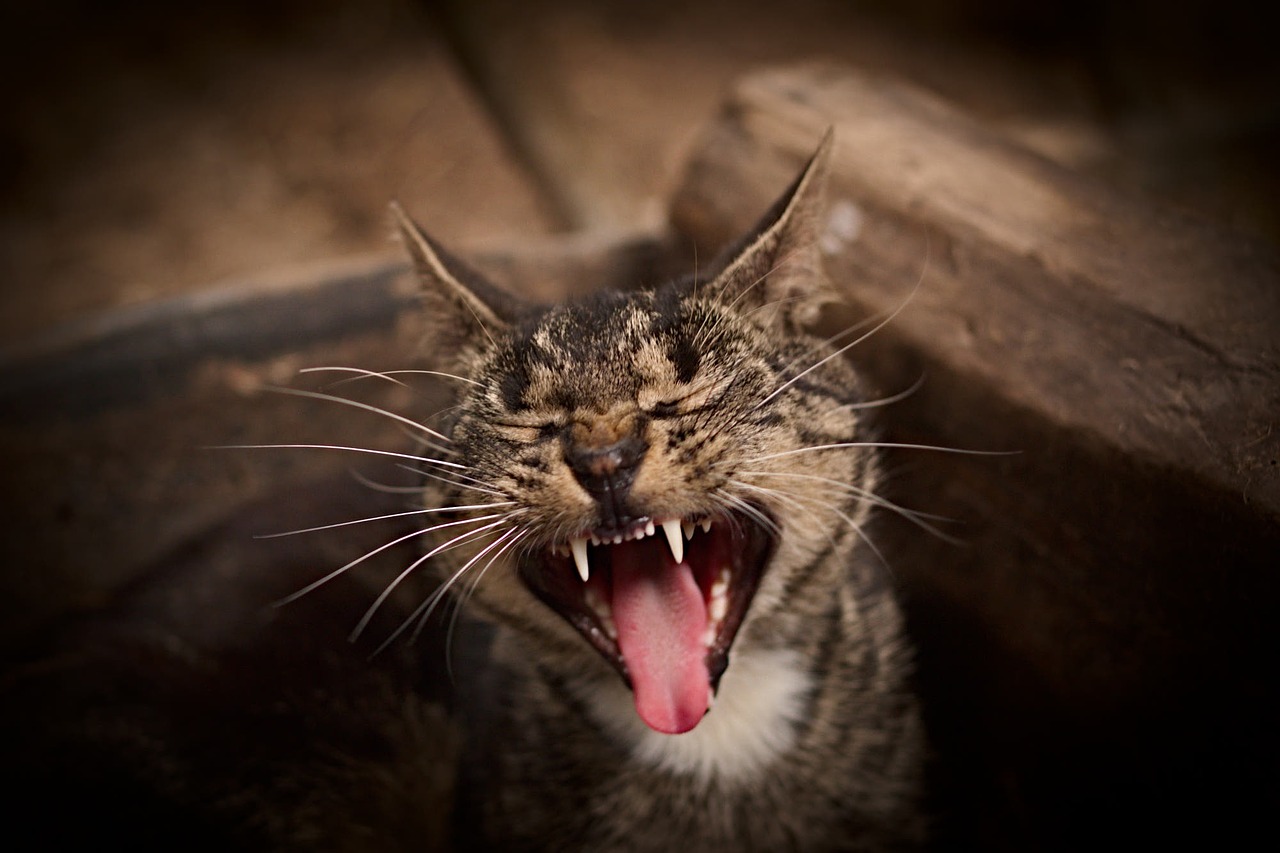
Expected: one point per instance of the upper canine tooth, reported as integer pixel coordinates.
(579, 546)
(672, 529)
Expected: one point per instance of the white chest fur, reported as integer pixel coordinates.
(753, 721)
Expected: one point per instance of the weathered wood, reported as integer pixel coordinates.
(105, 425)
(1103, 636)
(1151, 330)
(134, 355)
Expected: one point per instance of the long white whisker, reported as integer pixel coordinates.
(360, 372)
(857, 528)
(425, 609)
(461, 602)
(336, 572)
(848, 487)
(388, 374)
(331, 398)
(879, 444)
(476, 488)
(379, 518)
(747, 508)
(777, 494)
(452, 543)
(916, 517)
(886, 401)
(427, 460)
(384, 487)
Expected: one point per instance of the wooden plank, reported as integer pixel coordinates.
(1103, 633)
(102, 423)
(133, 355)
(1157, 333)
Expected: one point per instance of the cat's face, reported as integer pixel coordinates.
(642, 469)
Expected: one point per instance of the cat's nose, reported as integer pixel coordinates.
(607, 470)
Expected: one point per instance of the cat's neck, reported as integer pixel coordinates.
(761, 704)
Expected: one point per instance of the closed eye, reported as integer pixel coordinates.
(665, 409)
(691, 403)
(528, 431)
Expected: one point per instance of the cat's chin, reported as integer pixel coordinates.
(661, 601)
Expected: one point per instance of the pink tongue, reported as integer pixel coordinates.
(661, 619)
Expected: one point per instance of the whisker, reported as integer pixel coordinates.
(360, 374)
(314, 585)
(876, 444)
(425, 609)
(886, 401)
(702, 327)
(461, 602)
(480, 487)
(851, 488)
(385, 487)
(783, 261)
(733, 422)
(857, 528)
(750, 510)
(331, 398)
(916, 517)
(777, 494)
(838, 352)
(390, 588)
(387, 374)
(370, 451)
(378, 518)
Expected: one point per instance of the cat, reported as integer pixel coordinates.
(658, 500)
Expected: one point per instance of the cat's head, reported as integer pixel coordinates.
(639, 468)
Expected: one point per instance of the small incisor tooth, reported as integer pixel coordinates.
(579, 547)
(687, 528)
(674, 539)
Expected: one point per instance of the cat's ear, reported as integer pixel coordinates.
(775, 272)
(463, 306)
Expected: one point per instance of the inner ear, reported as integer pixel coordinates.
(464, 310)
(472, 298)
(777, 263)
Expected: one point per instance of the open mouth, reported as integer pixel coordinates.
(661, 600)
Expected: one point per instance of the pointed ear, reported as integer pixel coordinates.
(464, 309)
(776, 267)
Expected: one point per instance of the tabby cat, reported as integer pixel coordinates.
(658, 498)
